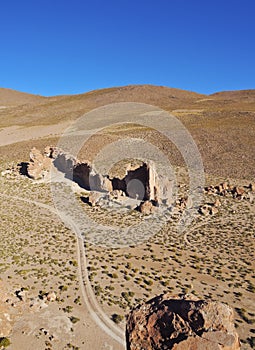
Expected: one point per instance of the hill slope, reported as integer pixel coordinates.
(222, 124)
(10, 97)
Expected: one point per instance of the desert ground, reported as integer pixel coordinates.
(59, 290)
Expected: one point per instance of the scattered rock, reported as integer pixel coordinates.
(208, 209)
(225, 186)
(217, 203)
(44, 331)
(117, 194)
(146, 208)
(6, 172)
(181, 203)
(252, 187)
(204, 210)
(238, 192)
(184, 202)
(213, 210)
(49, 151)
(21, 294)
(51, 296)
(12, 172)
(94, 198)
(210, 190)
(220, 189)
(165, 322)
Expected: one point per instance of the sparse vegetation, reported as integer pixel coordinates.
(117, 318)
(38, 252)
(4, 342)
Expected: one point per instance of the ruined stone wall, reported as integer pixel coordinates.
(142, 182)
(81, 173)
(64, 163)
(133, 188)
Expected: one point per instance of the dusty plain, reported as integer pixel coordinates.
(39, 254)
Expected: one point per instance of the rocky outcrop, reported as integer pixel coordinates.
(139, 181)
(144, 183)
(181, 324)
(225, 189)
(39, 164)
(64, 162)
(209, 209)
(104, 184)
(238, 192)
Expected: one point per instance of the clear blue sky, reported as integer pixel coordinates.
(54, 47)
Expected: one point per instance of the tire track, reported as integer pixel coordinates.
(93, 308)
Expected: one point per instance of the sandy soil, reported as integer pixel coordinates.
(36, 251)
(40, 254)
(13, 134)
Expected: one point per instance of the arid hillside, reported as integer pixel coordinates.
(222, 124)
(13, 98)
(57, 273)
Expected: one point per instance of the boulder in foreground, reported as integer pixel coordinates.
(165, 323)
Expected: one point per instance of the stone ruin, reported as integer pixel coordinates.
(141, 182)
(167, 322)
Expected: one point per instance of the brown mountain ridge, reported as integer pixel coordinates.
(222, 124)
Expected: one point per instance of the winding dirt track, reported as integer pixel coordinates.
(116, 336)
